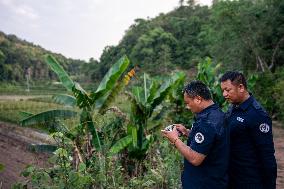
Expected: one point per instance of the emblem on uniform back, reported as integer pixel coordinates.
(199, 137)
(240, 119)
(264, 127)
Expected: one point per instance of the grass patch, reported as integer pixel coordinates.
(36, 88)
(10, 111)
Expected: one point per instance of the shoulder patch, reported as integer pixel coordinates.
(199, 138)
(264, 128)
(256, 105)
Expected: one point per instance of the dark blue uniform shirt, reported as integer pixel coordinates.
(252, 161)
(210, 137)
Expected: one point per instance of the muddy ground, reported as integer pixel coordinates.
(15, 156)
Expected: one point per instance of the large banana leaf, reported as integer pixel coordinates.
(42, 148)
(164, 90)
(57, 68)
(111, 77)
(138, 98)
(132, 131)
(64, 99)
(60, 127)
(178, 85)
(25, 115)
(104, 103)
(152, 91)
(121, 144)
(138, 109)
(47, 116)
(82, 97)
(153, 125)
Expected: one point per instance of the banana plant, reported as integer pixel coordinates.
(144, 108)
(177, 109)
(207, 72)
(83, 102)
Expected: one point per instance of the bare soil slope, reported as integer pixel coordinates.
(14, 153)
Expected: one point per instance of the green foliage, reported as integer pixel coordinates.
(178, 112)
(84, 139)
(263, 90)
(122, 143)
(20, 59)
(60, 176)
(251, 28)
(63, 76)
(111, 77)
(2, 167)
(279, 96)
(47, 116)
(245, 35)
(145, 101)
(154, 48)
(162, 168)
(208, 73)
(15, 110)
(42, 148)
(64, 99)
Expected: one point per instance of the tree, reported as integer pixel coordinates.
(154, 48)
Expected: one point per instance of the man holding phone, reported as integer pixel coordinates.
(207, 150)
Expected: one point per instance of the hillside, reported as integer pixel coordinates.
(19, 58)
(242, 35)
(245, 35)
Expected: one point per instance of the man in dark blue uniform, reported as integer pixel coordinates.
(252, 162)
(207, 150)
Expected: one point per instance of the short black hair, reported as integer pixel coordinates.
(235, 77)
(197, 88)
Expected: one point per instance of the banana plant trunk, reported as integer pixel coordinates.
(140, 136)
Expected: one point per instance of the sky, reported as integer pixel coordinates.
(78, 29)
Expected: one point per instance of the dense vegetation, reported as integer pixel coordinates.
(246, 35)
(242, 35)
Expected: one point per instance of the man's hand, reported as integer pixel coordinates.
(171, 135)
(192, 156)
(182, 129)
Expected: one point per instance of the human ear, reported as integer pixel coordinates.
(241, 88)
(198, 99)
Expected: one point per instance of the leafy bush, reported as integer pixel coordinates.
(279, 95)
(263, 91)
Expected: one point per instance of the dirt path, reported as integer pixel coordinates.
(14, 153)
(279, 153)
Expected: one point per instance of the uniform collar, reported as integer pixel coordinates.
(205, 111)
(246, 103)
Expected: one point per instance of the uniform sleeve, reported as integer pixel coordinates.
(261, 133)
(203, 138)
